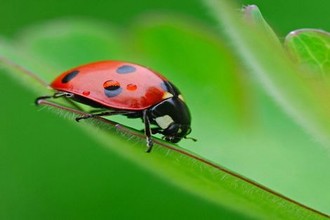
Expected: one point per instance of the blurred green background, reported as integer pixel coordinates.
(283, 15)
(40, 178)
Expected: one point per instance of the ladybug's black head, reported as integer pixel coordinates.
(175, 132)
(172, 116)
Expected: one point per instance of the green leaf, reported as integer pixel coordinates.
(252, 14)
(261, 133)
(310, 48)
(214, 99)
(67, 43)
(304, 101)
(176, 48)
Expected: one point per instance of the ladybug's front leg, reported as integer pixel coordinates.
(156, 130)
(147, 131)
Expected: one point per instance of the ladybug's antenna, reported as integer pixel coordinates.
(193, 139)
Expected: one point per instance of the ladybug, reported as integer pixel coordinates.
(123, 88)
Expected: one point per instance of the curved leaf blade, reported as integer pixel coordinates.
(310, 48)
(222, 187)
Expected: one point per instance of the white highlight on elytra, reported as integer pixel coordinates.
(164, 121)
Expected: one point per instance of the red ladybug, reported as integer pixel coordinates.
(127, 89)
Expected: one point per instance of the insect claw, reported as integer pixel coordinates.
(82, 117)
(39, 99)
(191, 138)
(149, 145)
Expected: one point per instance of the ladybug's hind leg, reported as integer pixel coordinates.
(69, 98)
(54, 96)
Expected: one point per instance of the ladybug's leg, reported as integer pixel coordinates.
(54, 96)
(147, 131)
(156, 130)
(106, 113)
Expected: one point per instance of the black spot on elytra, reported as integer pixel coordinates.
(112, 93)
(112, 88)
(169, 87)
(68, 77)
(126, 69)
(164, 87)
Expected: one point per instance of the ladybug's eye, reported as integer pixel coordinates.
(112, 88)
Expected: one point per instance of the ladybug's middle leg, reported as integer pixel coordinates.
(105, 113)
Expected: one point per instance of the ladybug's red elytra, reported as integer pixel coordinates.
(122, 88)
